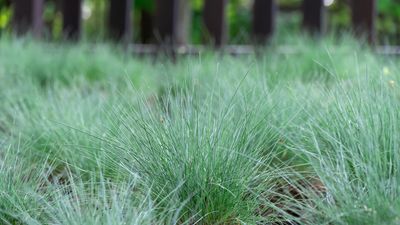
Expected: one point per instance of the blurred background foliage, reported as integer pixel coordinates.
(238, 14)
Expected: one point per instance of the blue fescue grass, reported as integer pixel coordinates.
(353, 147)
(90, 135)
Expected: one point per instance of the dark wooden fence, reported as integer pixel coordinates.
(169, 19)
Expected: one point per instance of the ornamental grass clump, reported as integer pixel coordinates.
(212, 153)
(353, 145)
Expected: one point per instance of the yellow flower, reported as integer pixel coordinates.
(391, 83)
(386, 71)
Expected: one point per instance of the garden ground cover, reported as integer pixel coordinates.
(91, 135)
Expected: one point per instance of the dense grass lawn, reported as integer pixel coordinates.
(90, 135)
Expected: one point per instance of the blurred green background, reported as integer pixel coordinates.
(238, 14)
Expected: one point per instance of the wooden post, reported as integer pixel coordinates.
(363, 18)
(28, 16)
(166, 15)
(146, 27)
(120, 20)
(71, 10)
(314, 16)
(264, 13)
(215, 22)
(182, 22)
